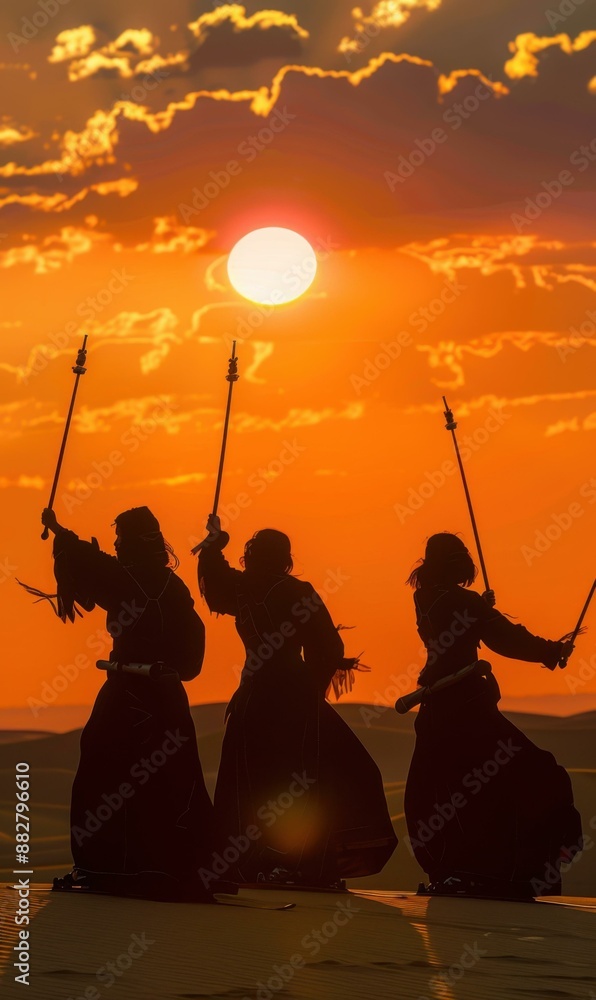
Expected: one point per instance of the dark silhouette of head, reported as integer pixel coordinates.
(268, 551)
(139, 540)
(447, 562)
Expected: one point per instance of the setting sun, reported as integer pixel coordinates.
(272, 266)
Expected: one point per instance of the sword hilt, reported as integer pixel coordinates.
(408, 701)
(153, 670)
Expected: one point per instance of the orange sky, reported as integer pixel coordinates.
(449, 192)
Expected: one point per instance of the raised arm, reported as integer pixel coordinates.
(218, 581)
(84, 574)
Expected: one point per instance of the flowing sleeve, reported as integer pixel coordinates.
(322, 644)
(515, 641)
(85, 575)
(186, 645)
(218, 581)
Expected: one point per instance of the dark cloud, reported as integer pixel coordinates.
(227, 44)
(359, 162)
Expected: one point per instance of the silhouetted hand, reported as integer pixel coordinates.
(489, 597)
(566, 651)
(49, 520)
(215, 536)
(214, 524)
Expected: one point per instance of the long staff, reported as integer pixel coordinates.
(578, 627)
(231, 378)
(79, 369)
(451, 425)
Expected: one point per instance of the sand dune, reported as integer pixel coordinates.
(63, 718)
(387, 736)
(362, 946)
(371, 944)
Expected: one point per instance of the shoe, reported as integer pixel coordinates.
(477, 887)
(283, 876)
(74, 879)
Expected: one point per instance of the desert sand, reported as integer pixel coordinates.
(384, 942)
(387, 736)
(365, 945)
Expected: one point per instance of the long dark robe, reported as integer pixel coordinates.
(483, 802)
(139, 801)
(296, 789)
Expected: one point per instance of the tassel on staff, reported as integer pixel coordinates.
(231, 378)
(79, 369)
(451, 425)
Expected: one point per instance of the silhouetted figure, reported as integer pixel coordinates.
(298, 796)
(487, 811)
(139, 802)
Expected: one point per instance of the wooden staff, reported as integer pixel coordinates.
(451, 425)
(231, 378)
(79, 369)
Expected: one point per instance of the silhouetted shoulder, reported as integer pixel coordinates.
(301, 592)
(180, 589)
